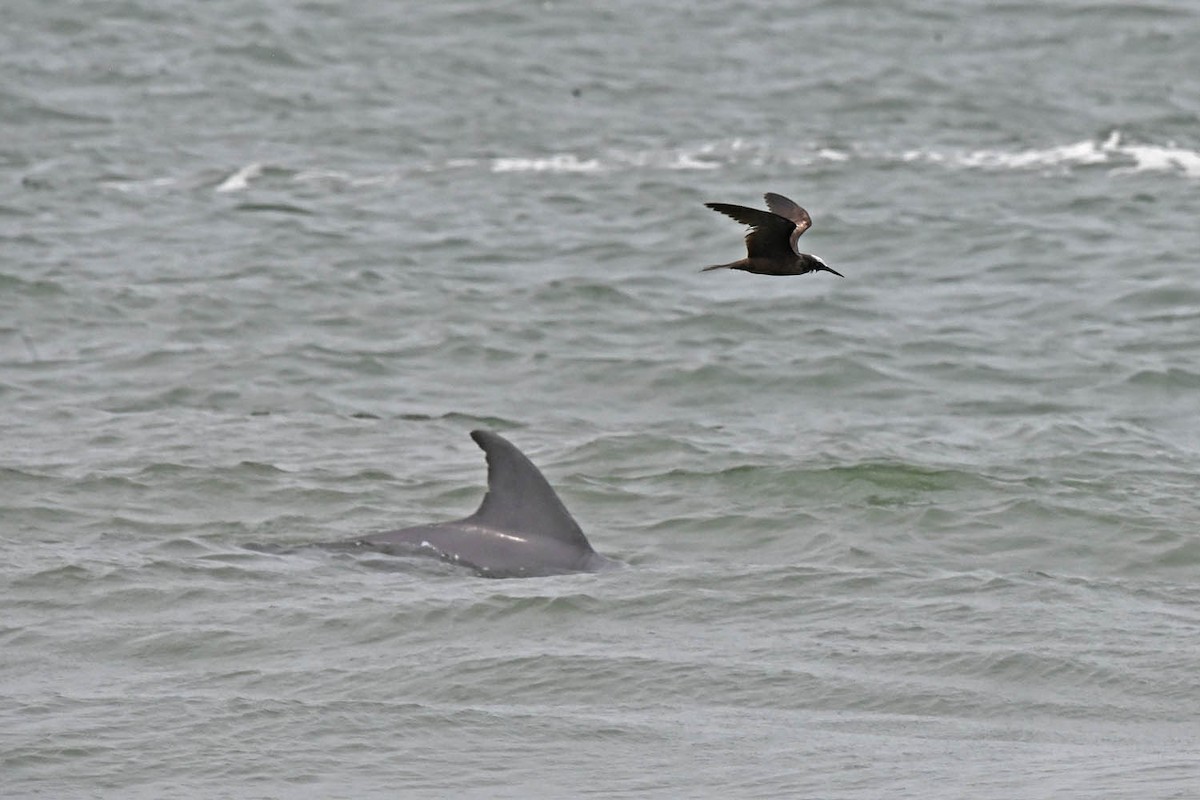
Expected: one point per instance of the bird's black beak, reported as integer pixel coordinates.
(831, 269)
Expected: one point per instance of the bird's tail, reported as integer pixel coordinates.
(718, 266)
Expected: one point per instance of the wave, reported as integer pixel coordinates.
(1113, 151)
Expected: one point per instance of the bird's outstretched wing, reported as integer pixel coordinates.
(786, 208)
(771, 235)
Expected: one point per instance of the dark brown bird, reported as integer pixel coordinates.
(771, 242)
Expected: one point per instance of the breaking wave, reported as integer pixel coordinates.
(1113, 152)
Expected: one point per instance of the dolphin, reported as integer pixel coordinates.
(521, 528)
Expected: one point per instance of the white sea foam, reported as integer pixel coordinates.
(829, 154)
(1077, 153)
(685, 161)
(1151, 158)
(149, 184)
(1111, 151)
(240, 179)
(562, 162)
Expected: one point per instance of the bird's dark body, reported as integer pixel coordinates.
(801, 264)
(771, 243)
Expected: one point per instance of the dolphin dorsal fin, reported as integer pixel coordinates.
(519, 498)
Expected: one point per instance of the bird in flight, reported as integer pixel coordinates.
(771, 242)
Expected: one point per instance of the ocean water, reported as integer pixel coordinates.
(931, 530)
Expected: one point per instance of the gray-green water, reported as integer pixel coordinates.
(928, 531)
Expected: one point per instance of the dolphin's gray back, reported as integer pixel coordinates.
(496, 554)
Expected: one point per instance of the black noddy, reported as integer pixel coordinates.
(771, 242)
